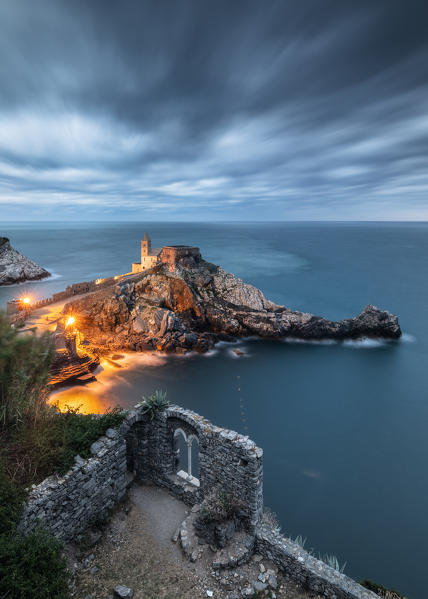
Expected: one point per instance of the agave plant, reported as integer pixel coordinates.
(300, 541)
(154, 403)
(333, 562)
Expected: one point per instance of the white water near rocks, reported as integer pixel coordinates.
(343, 425)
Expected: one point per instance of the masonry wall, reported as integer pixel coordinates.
(227, 460)
(170, 255)
(69, 291)
(301, 567)
(68, 504)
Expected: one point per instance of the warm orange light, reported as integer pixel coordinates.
(98, 281)
(70, 320)
(26, 301)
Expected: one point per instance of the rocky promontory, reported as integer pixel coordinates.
(16, 268)
(193, 304)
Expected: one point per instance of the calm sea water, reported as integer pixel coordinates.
(343, 426)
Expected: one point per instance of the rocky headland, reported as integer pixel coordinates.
(16, 268)
(193, 304)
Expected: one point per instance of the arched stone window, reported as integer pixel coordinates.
(186, 456)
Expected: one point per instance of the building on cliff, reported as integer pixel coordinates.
(169, 254)
(149, 256)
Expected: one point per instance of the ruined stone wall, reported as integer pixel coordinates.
(227, 460)
(67, 504)
(145, 447)
(301, 567)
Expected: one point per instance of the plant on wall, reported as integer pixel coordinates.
(154, 403)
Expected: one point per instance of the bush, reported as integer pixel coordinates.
(33, 453)
(219, 506)
(380, 590)
(32, 567)
(36, 440)
(24, 370)
(11, 497)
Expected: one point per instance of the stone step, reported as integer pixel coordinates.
(238, 552)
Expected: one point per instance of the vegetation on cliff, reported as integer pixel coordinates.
(36, 440)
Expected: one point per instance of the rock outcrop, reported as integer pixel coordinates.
(16, 268)
(193, 306)
(69, 366)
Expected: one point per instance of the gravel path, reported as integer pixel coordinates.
(136, 551)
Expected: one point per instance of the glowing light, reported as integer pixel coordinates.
(70, 321)
(98, 281)
(26, 301)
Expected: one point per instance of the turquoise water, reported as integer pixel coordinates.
(343, 426)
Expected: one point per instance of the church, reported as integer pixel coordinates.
(149, 256)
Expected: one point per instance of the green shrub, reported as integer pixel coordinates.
(24, 370)
(154, 403)
(33, 453)
(32, 567)
(11, 497)
(380, 590)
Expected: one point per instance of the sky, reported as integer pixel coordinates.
(213, 110)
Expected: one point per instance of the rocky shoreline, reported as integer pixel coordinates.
(16, 268)
(194, 304)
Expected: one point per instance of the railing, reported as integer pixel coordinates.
(70, 291)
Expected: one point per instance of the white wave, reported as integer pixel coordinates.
(226, 343)
(365, 343)
(53, 277)
(408, 338)
(209, 354)
(295, 340)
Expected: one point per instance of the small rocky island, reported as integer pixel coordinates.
(16, 268)
(182, 303)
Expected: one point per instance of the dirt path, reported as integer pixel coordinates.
(136, 551)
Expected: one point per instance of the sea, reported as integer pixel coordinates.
(344, 426)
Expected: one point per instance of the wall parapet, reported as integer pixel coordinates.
(68, 504)
(305, 569)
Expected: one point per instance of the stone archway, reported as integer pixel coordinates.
(186, 456)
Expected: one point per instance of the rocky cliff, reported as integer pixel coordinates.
(16, 268)
(195, 304)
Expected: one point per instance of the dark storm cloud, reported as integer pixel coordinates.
(291, 109)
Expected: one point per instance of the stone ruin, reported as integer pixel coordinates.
(196, 462)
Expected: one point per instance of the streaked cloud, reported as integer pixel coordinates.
(189, 110)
